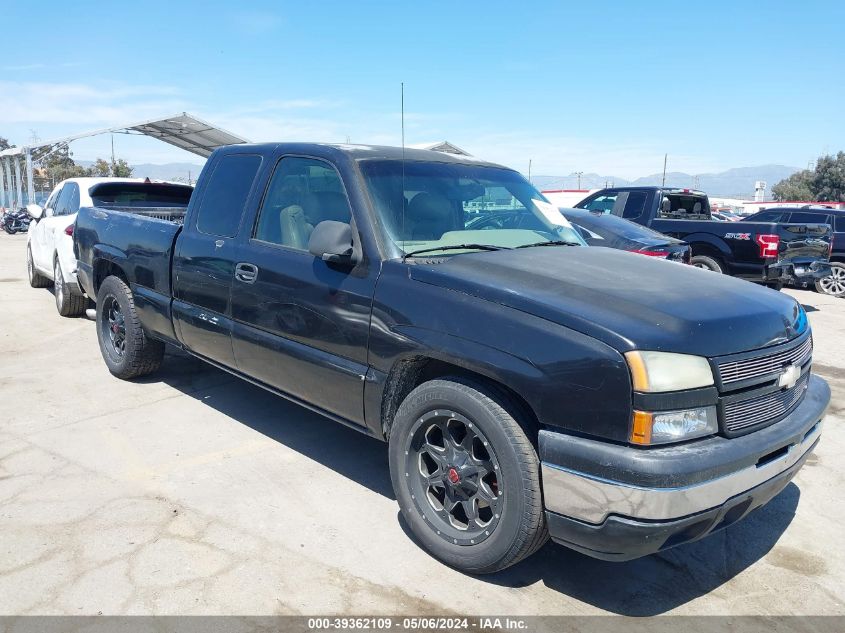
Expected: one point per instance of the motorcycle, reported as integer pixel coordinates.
(16, 221)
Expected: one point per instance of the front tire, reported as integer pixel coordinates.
(36, 279)
(466, 476)
(70, 302)
(126, 348)
(707, 263)
(834, 284)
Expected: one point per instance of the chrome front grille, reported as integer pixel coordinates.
(734, 371)
(743, 414)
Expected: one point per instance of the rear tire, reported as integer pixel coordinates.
(833, 285)
(490, 478)
(36, 279)
(126, 348)
(706, 262)
(70, 302)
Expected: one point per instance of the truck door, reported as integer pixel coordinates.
(204, 258)
(301, 324)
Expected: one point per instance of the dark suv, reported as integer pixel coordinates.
(835, 283)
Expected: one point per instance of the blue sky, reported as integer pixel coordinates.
(594, 87)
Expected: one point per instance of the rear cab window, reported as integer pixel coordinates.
(684, 206)
(225, 196)
(140, 194)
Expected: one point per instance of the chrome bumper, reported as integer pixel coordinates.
(592, 499)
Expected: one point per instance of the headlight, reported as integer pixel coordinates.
(673, 426)
(655, 372)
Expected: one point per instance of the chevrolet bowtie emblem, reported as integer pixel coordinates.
(790, 376)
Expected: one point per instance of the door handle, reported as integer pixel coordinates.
(246, 273)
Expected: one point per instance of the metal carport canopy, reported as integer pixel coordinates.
(182, 130)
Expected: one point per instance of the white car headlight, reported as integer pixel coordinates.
(661, 427)
(656, 372)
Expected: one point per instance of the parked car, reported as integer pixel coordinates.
(49, 249)
(724, 216)
(603, 229)
(834, 284)
(764, 252)
(522, 390)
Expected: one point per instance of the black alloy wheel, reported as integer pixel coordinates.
(454, 477)
(113, 324)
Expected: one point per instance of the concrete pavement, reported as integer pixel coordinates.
(192, 492)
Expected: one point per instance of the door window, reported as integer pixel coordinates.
(770, 216)
(225, 196)
(634, 205)
(840, 223)
(603, 203)
(62, 200)
(809, 218)
(302, 193)
(53, 199)
(71, 201)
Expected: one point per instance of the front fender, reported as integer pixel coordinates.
(571, 381)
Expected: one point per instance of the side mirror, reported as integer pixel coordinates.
(34, 210)
(332, 242)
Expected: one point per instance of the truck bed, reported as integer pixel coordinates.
(143, 236)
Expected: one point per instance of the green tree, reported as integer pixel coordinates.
(58, 163)
(797, 187)
(100, 168)
(4, 144)
(825, 183)
(121, 169)
(829, 178)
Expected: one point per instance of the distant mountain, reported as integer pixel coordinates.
(733, 183)
(180, 172)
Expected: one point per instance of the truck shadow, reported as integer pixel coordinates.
(661, 582)
(344, 450)
(644, 587)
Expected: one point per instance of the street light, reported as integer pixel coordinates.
(579, 174)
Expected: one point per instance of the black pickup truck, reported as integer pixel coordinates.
(765, 252)
(519, 396)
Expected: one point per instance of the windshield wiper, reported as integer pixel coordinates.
(551, 243)
(457, 247)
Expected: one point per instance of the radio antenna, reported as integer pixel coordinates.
(402, 195)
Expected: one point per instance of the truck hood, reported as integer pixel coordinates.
(626, 300)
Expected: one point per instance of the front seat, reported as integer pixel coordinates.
(696, 208)
(326, 205)
(296, 230)
(429, 216)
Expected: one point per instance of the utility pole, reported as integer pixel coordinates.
(579, 174)
(529, 170)
(665, 157)
(112, 156)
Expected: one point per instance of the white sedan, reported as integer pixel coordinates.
(49, 253)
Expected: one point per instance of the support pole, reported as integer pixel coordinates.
(3, 202)
(18, 188)
(7, 174)
(30, 183)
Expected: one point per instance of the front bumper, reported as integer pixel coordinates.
(618, 502)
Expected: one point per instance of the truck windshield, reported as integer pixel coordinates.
(140, 194)
(447, 204)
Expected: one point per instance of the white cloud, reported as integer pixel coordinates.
(36, 103)
(56, 110)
